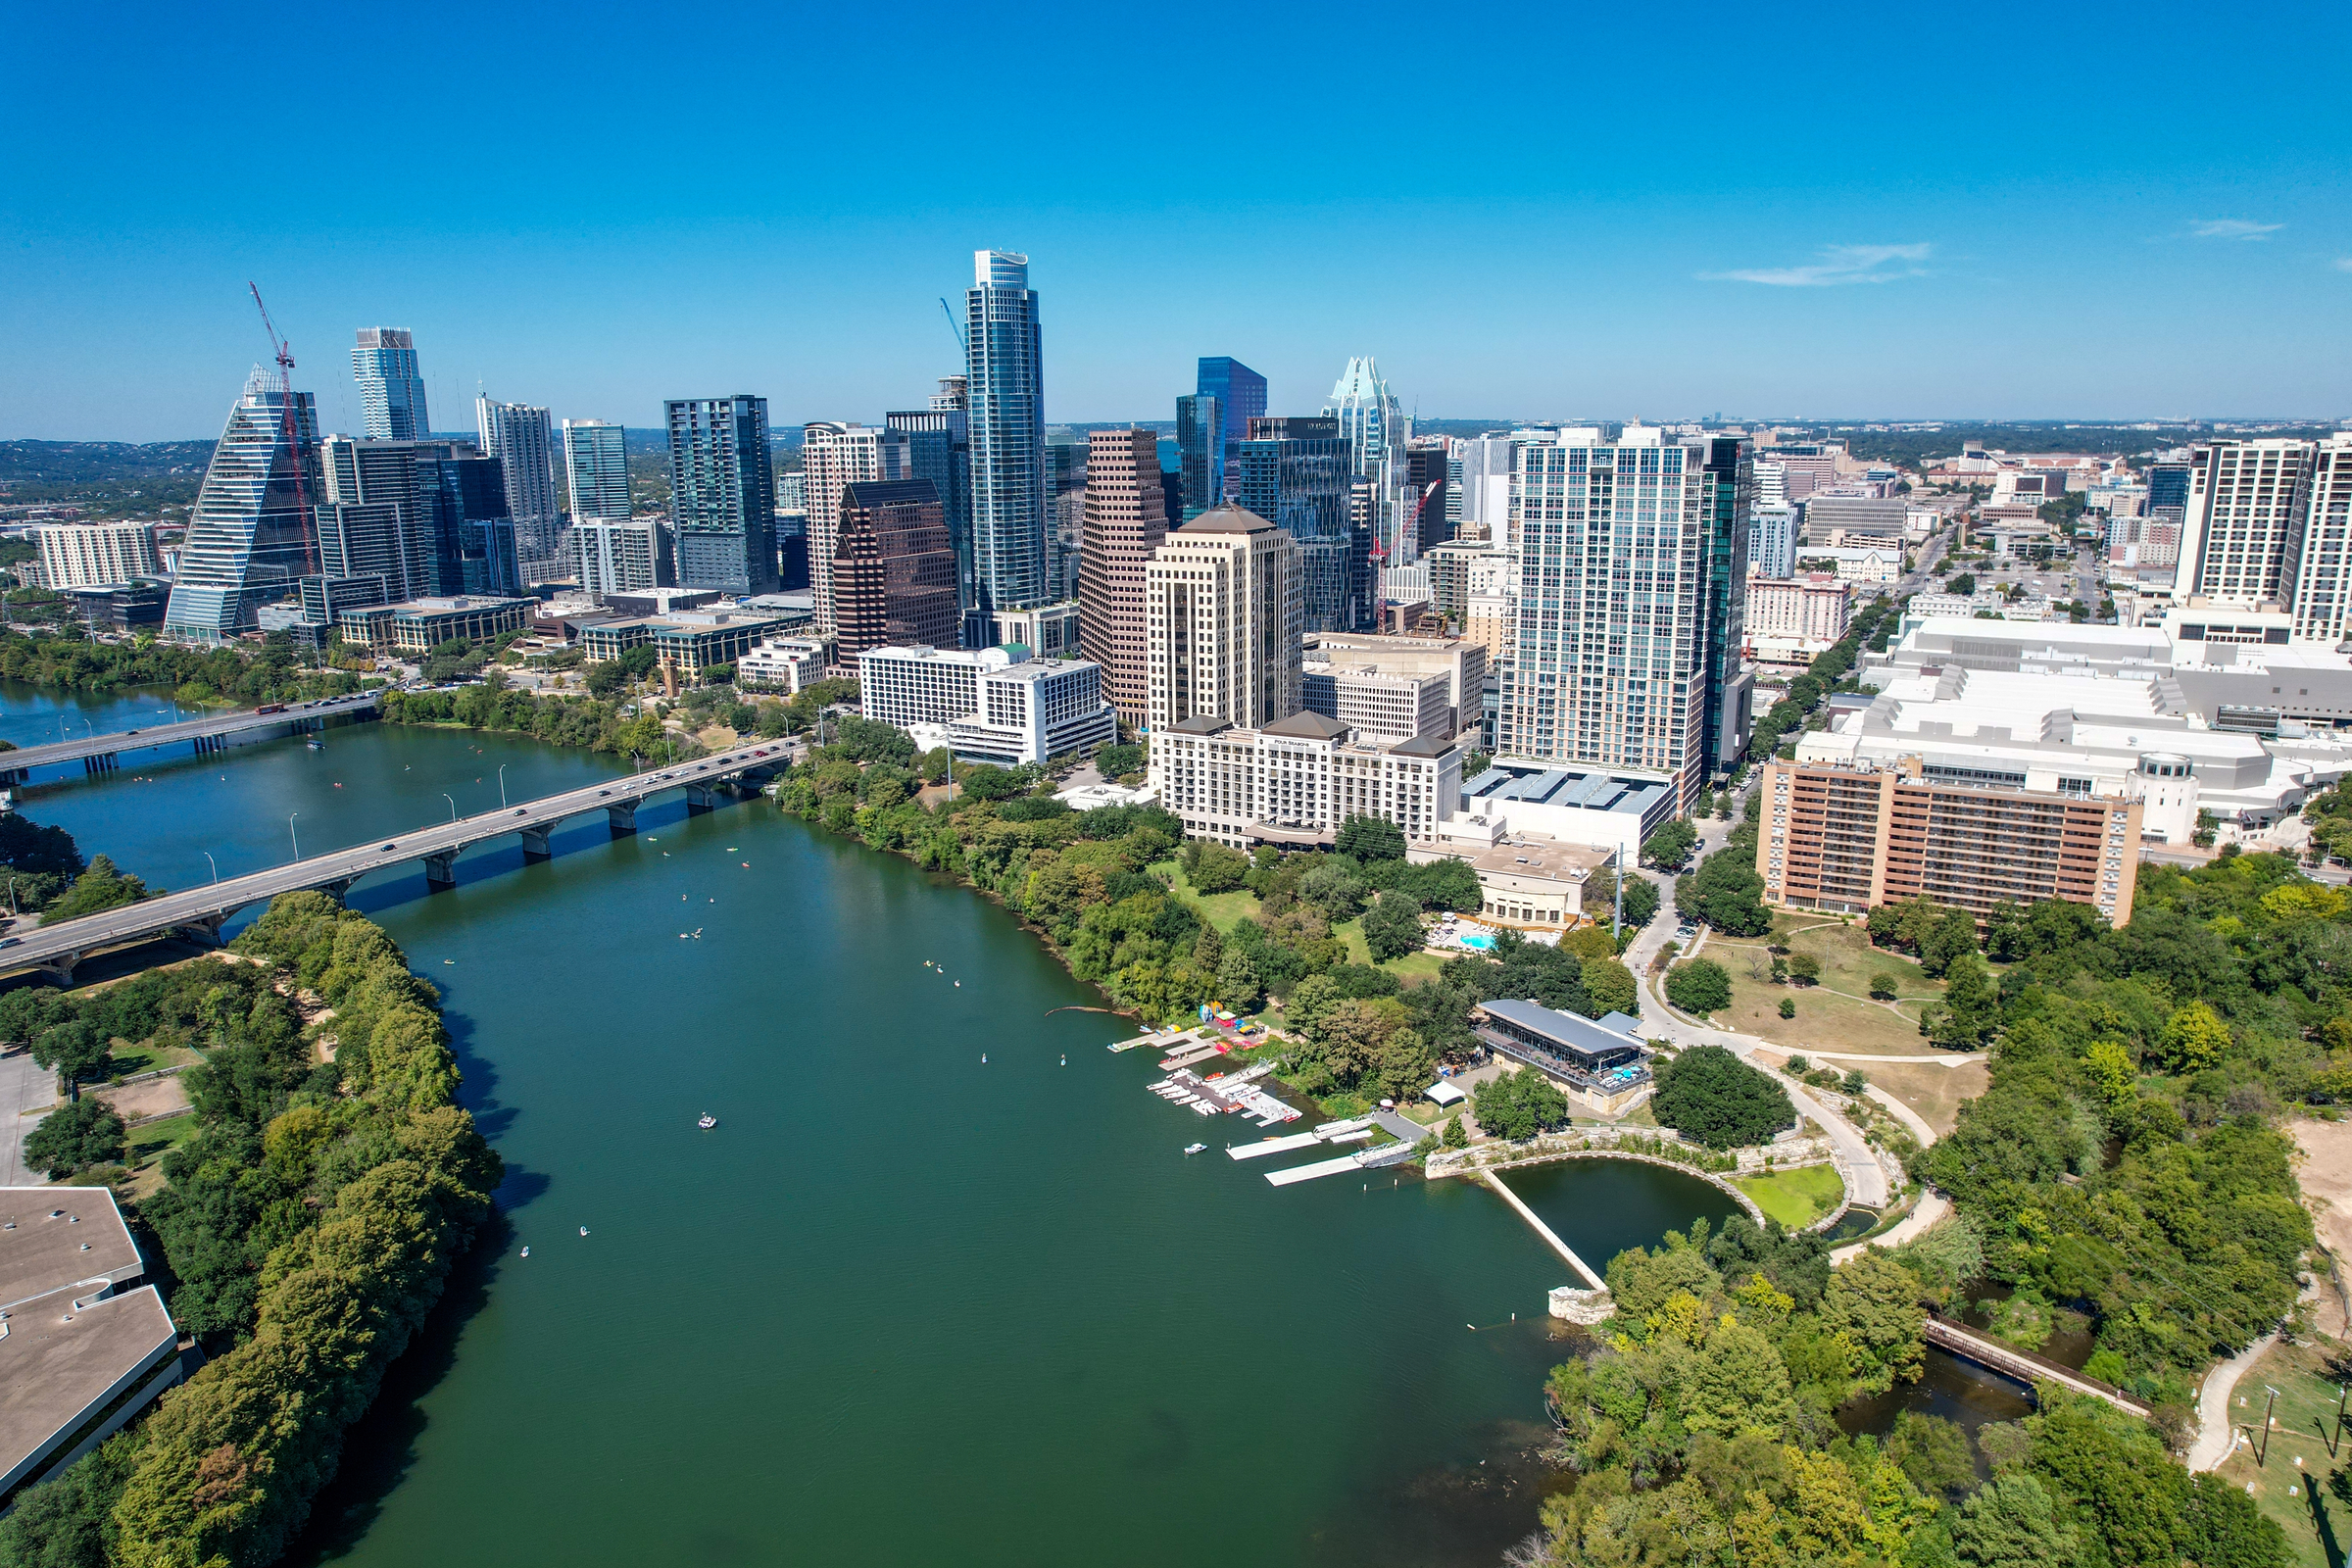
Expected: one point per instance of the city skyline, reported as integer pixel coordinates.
(2026, 248)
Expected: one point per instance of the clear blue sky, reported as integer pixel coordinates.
(2001, 212)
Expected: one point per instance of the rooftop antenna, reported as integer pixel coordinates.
(284, 353)
(962, 344)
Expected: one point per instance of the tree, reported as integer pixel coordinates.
(989, 782)
(1393, 926)
(1873, 1301)
(1369, 838)
(76, 1136)
(1787, 1007)
(1671, 843)
(1971, 1010)
(1116, 761)
(1726, 893)
(1238, 982)
(1520, 1104)
(1886, 985)
(1213, 868)
(2011, 1523)
(1454, 1135)
(101, 887)
(1699, 985)
(1952, 936)
(1610, 987)
(73, 1050)
(1804, 968)
(2195, 1038)
(1709, 1094)
(1932, 1452)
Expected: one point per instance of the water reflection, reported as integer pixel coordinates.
(1948, 1388)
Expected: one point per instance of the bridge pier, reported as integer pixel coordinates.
(441, 870)
(207, 928)
(623, 817)
(534, 841)
(701, 797)
(337, 888)
(207, 745)
(15, 775)
(101, 762)
(60, 970)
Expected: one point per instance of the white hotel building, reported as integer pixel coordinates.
(985, 707)
(1296, 780)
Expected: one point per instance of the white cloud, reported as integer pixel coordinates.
(1839, 263)
(2232, 228)
(2343, 263)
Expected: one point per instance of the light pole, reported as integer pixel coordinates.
(12, 898)
(297, 836)
(216, 864)
(2264, 1458)
(452, 804)
(502, 783)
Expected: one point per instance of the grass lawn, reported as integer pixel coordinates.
(127, 1061)
(1795, 1198)
(1934, 1092)
(1825, 1020)
(2306, 1413)
(1225, 910)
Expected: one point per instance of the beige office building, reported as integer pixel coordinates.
(1223, 621)
(1125, 519)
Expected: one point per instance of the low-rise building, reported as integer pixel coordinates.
(1524, 880)
(1868, 566)
(1807, 613)
(788, 665)
(1296, 780)
(1848, 838)
(1602, 808)
(1461, 663)
(1600, 1063)
(83, 1346)
(420, 626)
(1378, 705)
(989, 708)
(689, 643)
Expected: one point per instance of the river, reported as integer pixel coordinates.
(901, 1306)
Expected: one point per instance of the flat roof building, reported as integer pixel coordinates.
(991, 709)
(1602, 1061)
(420, 625)
(1596, 807)
(1295, 781)
(88, 555)
(689, 642)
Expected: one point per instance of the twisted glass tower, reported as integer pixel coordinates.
(253, 532)
(1005, 385)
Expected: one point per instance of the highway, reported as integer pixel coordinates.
(56, 950)
(95, 752)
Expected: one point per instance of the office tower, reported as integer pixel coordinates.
(1772, 534)
(1375, 430)
(1772, 485)
(596, 468)
(2168, 491)
(1221, 622)
(391, 392)
(622, 556)
(1296, 472)
(1837, 520)
(834, 456)
(522, 438)
(1726, 481)
(473, 498)
(1125, 522)
(85, 555)
(894, 569)
(379, 514)
(1616, 543)
(1429, 482)
(938, 447)
(723, 494)
(1005, 382)
(2242, 535)
(1201, 453)
(1240, 395)
(252, 531)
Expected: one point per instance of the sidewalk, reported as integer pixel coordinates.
(25, 1087)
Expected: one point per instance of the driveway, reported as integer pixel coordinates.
(26, 1087)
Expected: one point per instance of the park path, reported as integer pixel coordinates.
(25, 1087)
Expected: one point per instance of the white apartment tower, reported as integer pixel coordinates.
(90, 554)
(1224, 621)
(2323, 603)
(621, 556)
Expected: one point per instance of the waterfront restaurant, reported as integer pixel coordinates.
(1601, 1064)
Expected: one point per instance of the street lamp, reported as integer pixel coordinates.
(502, 783)
(216, 864)
(297, 836)
(452, 804)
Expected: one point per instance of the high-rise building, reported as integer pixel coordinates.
(834, 456)
(1297, 471)
(894, 569)
(391, 391)
(1486, 482)
(1004, 378)
(1771, 484)
(1125, 522)
(1376, 429)
(1728, 487)
(1617, 541)
(86, 555)
(2168, 492)
(1240, 395)
(1201, 453)
(252, 531)
(938, 447)
(2242, 537)
(379, 513)
(1429, 482)
(723, 494)
(1773, 529)
(522, 438)
(472, 501)
(596, 470)
(622, 556)
(2322, 603)
(1222, 622)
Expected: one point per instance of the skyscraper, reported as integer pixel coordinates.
(1126, 520)
(1616, 543)
(938, 447)
(832, 455)
(596, 470)
(1006, 380)
(391, 392)
(1296, 472)
(1240, 395)
(1728, 489)
(894, 571)
(1772, 530)
(2243, 536)
(2322, 603)
(252, 531)
(522, 438)
(1429, 482)
(723, 494)
(379, 513)
(1221, 622)
(1200, 449)
(1485, 482)
(1375, 429)
(621, 555)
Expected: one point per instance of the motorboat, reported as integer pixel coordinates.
(1190, 1149)
(707, 1121)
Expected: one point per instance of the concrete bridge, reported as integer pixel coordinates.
(199, 913)
(102, 753)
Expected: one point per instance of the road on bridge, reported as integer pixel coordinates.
(57, 949)
(108, 744)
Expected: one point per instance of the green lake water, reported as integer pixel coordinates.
(901, 1306)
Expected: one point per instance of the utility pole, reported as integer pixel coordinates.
(2336, 1436)
(2264, 1458)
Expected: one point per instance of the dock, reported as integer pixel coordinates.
(1225, 1094)
(1160, 1038)
(1273, 1145)
(1308, 1173)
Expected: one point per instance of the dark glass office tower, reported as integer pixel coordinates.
(1240, 395)
(1728, 486)
(1201, 450)
(1296, 472)
(1429, 474)
(894, 571)
(723, 494)
(938, 447)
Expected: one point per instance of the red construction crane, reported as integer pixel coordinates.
(284, 353)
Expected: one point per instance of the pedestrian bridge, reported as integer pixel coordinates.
(102, 753)
(199, 913)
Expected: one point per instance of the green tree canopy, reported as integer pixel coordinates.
(1699, 985)
(1709, 1094)
(75, 1137)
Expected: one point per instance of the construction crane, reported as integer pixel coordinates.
(962, 344)
(283, 351)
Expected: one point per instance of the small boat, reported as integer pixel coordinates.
(315, 745)
(526, 1251)
(707, 1121)
(583, 1229)
(1190, 1149)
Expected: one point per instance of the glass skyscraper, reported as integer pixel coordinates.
(1296, 474)
(1200, 451)
(596, 468)
(1240, 393)
(1375, 430)
(252, 532)
(521, 437)
(1005, 380)
(723, 494)
(391, 392)
(938, 447)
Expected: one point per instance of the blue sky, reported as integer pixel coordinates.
(2056, 211)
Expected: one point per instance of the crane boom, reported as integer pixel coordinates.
(283, 352)
(961, 342)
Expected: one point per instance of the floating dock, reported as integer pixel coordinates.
(1308, 1173)
(1273, 1146)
